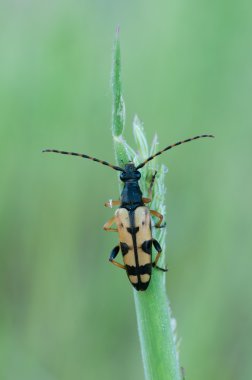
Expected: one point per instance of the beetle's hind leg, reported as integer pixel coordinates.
(159, 250)
(113, 255)
(159, 268)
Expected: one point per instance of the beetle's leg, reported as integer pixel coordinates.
(159, 250)
(109, 223)
(113, 255)
(151, 184)
(160, 217)
(149, 199)
(112, 203)
(146, 200)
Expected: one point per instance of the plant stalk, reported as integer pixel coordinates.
(155, 324)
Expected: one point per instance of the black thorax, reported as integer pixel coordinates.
(131, 196)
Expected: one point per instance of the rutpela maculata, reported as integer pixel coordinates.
(132, 220)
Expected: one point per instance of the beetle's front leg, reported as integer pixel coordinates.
(149, 199)
(146, 200)
(151, 184)
(107, 226)
(113, 255)
(112, 203)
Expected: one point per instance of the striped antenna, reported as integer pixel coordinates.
(169, 147)
(83, 156)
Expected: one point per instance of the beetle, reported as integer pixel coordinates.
(133, 220)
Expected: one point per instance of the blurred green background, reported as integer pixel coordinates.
(66, 313)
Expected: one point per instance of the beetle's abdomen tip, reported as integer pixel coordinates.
(141, 286)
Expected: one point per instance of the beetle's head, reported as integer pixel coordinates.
(130, 173)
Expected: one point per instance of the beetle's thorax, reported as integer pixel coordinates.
(131, 196)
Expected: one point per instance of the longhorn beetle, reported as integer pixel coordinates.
(133, 221)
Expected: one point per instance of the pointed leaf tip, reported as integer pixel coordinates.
(117, 31)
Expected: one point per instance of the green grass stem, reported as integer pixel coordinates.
(156, 327)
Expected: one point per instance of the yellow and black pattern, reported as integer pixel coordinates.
(133, 220)
(134, 228)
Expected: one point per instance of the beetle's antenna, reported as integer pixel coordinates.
(83, 156)
(169, 147)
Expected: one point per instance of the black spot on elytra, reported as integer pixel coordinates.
(146, 246)
(145, 269)
(124, 248)
(131, 270)
(133, 230)
(142, 269)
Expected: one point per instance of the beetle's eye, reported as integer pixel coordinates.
(122, 176)
(138, 175)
